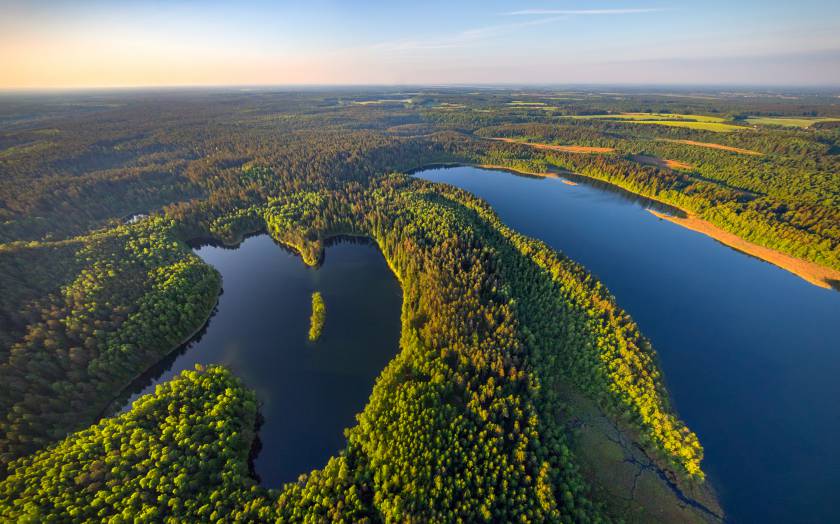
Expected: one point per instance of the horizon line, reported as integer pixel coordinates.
(484, 85)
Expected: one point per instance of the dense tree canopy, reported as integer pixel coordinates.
(466, 422)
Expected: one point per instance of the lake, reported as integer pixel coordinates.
(750, 352)
(309, 392)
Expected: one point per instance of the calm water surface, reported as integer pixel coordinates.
(750, 352)
(309, 392)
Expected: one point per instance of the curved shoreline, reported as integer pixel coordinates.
(132, 385)
(665, 484)
(112, 408)
(573, 179)
(811, 272)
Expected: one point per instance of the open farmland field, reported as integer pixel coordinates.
(716, 127)
(698, 122)
(384, 262)
(656, 117)
(382, 101)
(522, 103)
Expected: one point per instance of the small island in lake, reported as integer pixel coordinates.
(319, 315)
(574, 302)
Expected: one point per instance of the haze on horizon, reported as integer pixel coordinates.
(77, 44)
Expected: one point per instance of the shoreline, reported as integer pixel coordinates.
(809, 271)
(110, 410)
(615, 463)
(548, 174)
(690, 503)
(568, 178)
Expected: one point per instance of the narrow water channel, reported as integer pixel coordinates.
(750, 352)
(309, 392)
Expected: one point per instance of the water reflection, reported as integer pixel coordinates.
(749, 351)
(308, 392)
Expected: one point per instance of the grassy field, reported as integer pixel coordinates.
(24, 149)
(449, 105)
(717, 127)
(802, 123)
(522, 103)
(657, 117)
(702, 122)
(382, 101)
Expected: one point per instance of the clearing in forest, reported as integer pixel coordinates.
(800, 122)
(702, 122)
(661, 162)
(563, 149)
(714, 146)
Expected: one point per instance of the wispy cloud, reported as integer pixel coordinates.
(584, 12)
(466, 37)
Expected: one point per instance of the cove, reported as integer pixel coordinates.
(308, 392)
(750, 352)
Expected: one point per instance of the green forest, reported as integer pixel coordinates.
(101, 198)
(318, 317)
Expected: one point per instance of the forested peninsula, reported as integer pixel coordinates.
(472, 404)
(521, 391)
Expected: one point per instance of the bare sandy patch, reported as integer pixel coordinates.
(661, 162)
(812, 272)
(676, 164)
(715, 146)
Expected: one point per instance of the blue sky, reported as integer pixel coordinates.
(75, 44)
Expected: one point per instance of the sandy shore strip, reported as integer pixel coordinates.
(548, 174)
(563, 149)
(810, 271)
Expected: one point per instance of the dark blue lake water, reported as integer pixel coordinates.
(750, 352)
(309, 392)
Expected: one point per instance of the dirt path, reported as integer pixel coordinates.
(810, 271)
(563, 149)
(714, 146)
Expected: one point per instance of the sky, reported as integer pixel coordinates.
(125, 43)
